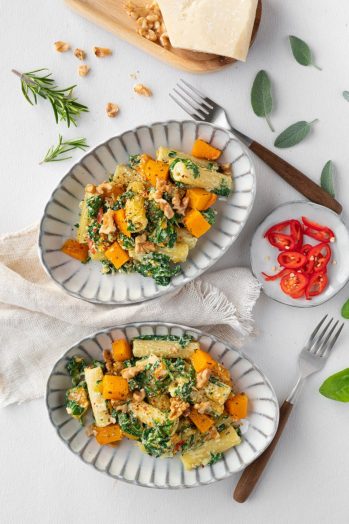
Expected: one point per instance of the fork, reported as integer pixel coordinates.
(204, 109)
(312, 358)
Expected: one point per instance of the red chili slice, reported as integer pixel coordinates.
(317, 231)
(296, 233)
(277, 228)
(298, 294)
(306, 248)
(292, 259)
(319, 256)
(100, 215)
(317, 284)
(281, 241)
(293, 283)
(277, 275)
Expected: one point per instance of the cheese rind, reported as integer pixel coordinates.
(222, 27)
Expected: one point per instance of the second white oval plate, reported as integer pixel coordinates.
(126, 462)
(86, 281)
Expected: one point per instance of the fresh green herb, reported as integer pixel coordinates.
(131, 227)
(172, 154)
(156, 440)
(126, 242)
(54, 153)
(223, 189)
(302, 52)
(336, 387)
(294, 134)
(326, 179)
(188, 444)
(211, 166)
(121, 200)
(76, 402)
(77, 224)
(214, 380)
(134, 160)
(75, 367)
(215, 457)
(107, 267)
(183, 341)
(238, 431)
(345, 310)
(261, 98)
(159, 267)
(94, 203)
(98, 364)
(346, 95)
(189, 164)
(184, 390)
(93, 231)
(129, 424)
(210, 215)
(64, 106)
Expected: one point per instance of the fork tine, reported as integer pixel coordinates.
(317, 340)
(188, 101)
(312, 336)
(201, 95)
(199, 98)
(185, 109)
(330, 345)
(320, 348)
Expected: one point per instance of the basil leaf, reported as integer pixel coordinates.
(345, 310)
(326, 179)
(261, 98)
(302, 52)
(346, 95)
(294, 134)
(336, 386)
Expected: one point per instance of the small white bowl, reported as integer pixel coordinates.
(264, 256)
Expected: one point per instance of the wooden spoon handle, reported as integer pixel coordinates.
(251, 474)
(296, 179)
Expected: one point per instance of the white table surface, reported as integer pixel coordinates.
(307, 480)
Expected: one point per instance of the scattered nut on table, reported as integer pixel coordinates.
(112, 109)
(80, 54)
(61, 47)
(142, 90)
(101, 52)
(83, 70)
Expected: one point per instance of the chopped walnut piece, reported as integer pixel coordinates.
(105, 188)
(203, 407)
(112, 109)
(149, 22)
(61, 47)
(83, 70)
(226, 168)
(202, 378)
(108, 225)
(165, 41)
(119, 405)
(90, 188)
(142, 245)
(177, 407)
(138, 396)
(180, 204)
(102, 52)
(109, 363)
(213, 434)
(80, 54)
(166, 208)
(142, 90)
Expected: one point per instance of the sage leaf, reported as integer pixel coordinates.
(346, 95)
(302, 52)
(294, 134)
(261, 98)
(336, 386)
(326, 179)
(345, 310)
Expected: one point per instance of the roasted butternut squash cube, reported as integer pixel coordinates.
(120, 220)
(115, 388)
(74, 249)
(153, 170)
(108, 434)
(202, 149)
(237, 406)
(121, 350)
(201, 421)
(196, 223)
(202, 360)
(116, 255)
(200, 199)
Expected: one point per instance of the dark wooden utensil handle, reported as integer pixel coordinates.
(296, 178)
(251, 474)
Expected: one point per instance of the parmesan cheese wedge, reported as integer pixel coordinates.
(222, 27)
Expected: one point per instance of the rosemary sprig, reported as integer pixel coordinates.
(64, 106)
(54, 152)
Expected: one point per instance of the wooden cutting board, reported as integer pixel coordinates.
(111, 15)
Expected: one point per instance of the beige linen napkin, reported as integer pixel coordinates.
(39, 321)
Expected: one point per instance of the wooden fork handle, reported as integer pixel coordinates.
(251, 474)
(296, 178)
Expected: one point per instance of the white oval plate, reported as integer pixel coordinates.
(126, 462)
(264, 256)
(86, 281)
